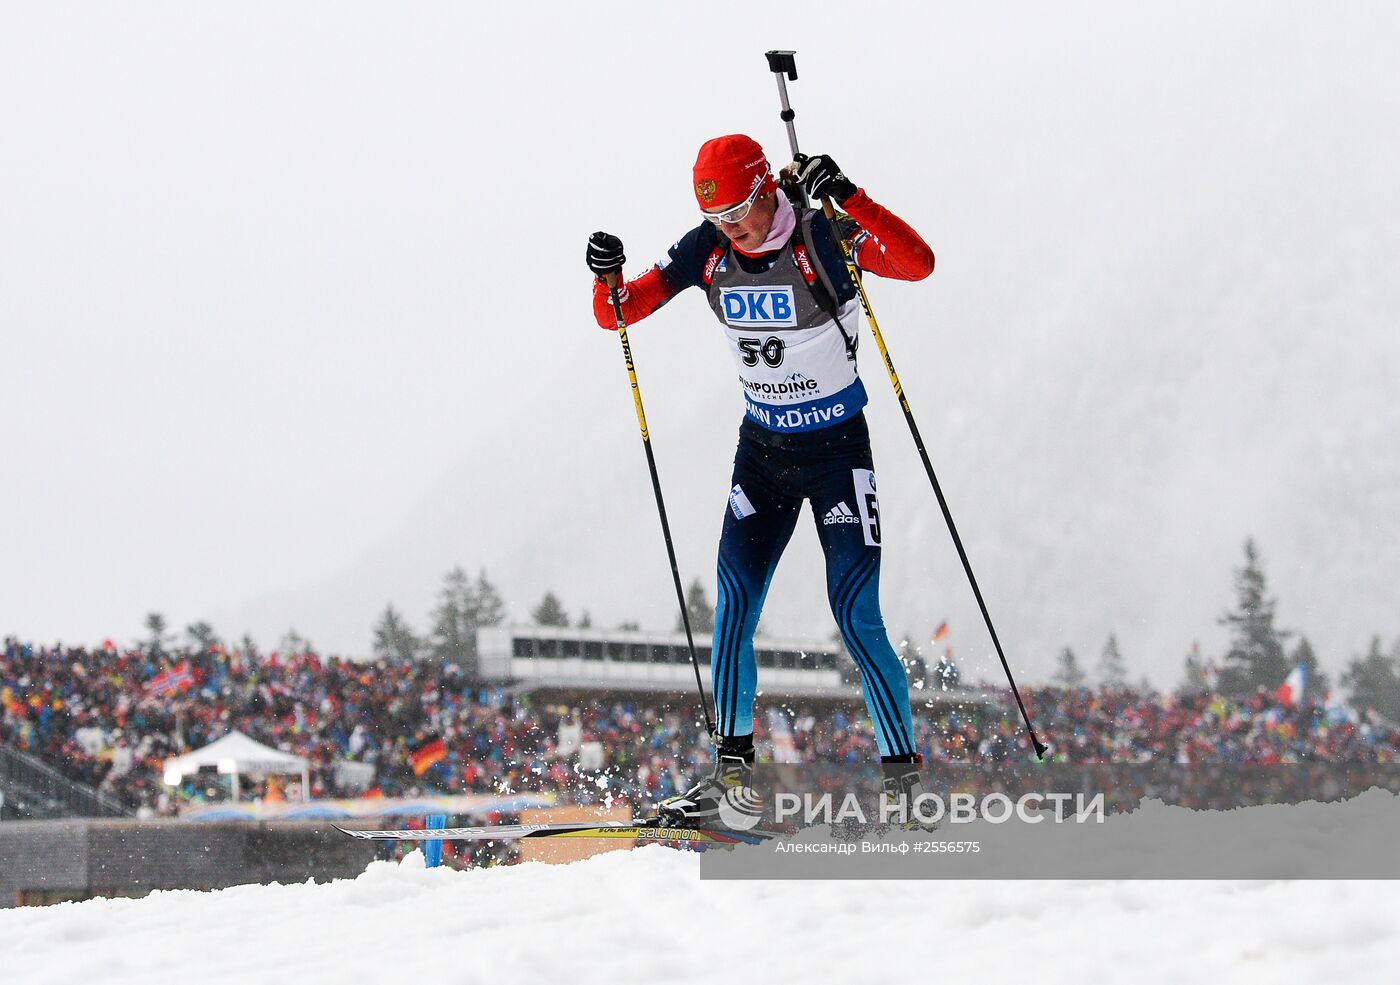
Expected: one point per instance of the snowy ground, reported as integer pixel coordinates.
(645, 915)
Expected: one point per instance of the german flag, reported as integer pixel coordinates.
(430, 752)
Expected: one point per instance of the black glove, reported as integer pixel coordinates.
(822, 178)
(605, 254)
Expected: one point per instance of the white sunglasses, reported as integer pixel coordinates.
(739, 212)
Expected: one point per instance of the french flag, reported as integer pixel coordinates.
(1290, 692)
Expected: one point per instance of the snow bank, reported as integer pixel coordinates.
(645, 915)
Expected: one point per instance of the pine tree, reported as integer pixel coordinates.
(585, 621)
(489, 608)
(698, 607)
(463, 607)
(453, 640)
(393, 638)
(1113, 673)
(1068, 673)
(294, 643)
(550, 612)
(1255, 658)
(1193, 674)
(1318, 683)
(1374, 681)
(202, 635)
(159, 638)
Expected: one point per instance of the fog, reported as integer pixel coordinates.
(294, 317)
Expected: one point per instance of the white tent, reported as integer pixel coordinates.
(237, 755)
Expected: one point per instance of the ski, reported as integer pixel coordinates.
(644, 830)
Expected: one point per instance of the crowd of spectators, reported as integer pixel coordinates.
(106, 717)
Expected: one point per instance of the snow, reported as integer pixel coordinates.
(646, 914)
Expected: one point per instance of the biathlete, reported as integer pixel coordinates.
(776, 279)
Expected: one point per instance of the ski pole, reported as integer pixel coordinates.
(783, 64)
(660, 503)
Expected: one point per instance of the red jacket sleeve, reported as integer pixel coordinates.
(639, 298)
(888, 246)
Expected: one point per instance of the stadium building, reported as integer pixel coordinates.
(547, 658)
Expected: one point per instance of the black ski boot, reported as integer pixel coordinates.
(724, 799)
(901, 788)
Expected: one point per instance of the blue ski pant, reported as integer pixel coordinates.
(773, 474)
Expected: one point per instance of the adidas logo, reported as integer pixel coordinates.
(840, 513)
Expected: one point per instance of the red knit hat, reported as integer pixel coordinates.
(727, 169)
